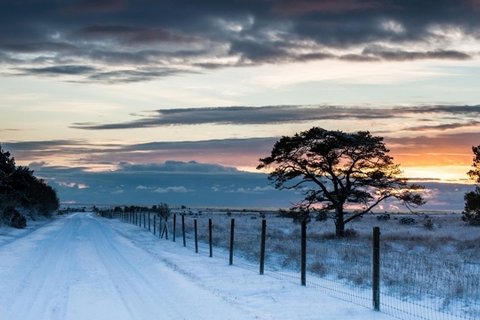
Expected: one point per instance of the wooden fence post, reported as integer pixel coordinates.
(376, 269)
(165, 227)
(262, 246)
(160, 227)
(154, 224)
(232, 238)
(183, 230)
(210, 245)
(196, 235)
(304, 253)
(174, 227)
(149, 221)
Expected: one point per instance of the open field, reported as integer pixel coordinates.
(433, 261)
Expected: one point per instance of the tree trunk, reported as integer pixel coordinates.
(339, 222)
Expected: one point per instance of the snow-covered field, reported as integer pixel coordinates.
(430, 270)
(433, 264)
(85, 267)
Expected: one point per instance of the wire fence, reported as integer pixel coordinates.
(411, 284)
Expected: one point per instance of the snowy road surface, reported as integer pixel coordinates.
(84, 267)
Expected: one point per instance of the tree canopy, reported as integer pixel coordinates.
(20, 189)
(474, 173)
(471, 212)
(334, 169)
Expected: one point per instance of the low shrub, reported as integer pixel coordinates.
(321, 216)
(18, 220)
(318, 268)
(407, 220)
(13, 218)
(383, 217)
(428, 223)
(351, 233)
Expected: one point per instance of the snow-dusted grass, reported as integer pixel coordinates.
(8, 234)
(433, 264)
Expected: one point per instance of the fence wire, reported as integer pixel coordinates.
(412, 284)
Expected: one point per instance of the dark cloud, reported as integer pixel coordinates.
(245, 115)
(98, 6)
(171, 166)
(446, 109)
(187, 33)
(132, 75)
(59, 70)
(402, 55)
(302, 7)
(130, 35)
(359, 58)
(34, 151)
(35, 47)
(238, 152)
(280, 114)
(443, 127)
(257, 51)
(448, 141)
(42, 145)
(233, 152)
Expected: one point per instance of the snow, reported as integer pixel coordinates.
(85, 267)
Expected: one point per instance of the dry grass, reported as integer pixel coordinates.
(424, 260)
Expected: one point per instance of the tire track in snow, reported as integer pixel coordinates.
(79, 268)
(142, 300)
(42, 293)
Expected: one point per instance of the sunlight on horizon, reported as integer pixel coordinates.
(445, 174)
(431, 173)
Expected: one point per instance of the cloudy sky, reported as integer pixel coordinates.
(87, 87)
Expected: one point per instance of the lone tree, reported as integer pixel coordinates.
(334, 169)
(471, 213)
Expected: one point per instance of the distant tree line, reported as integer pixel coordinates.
(22, 194)
(162, 210)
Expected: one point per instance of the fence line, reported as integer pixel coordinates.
(398, 283)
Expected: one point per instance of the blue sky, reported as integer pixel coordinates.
(90, 86)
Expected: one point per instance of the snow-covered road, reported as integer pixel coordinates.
(78, 268)
(84, 267)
